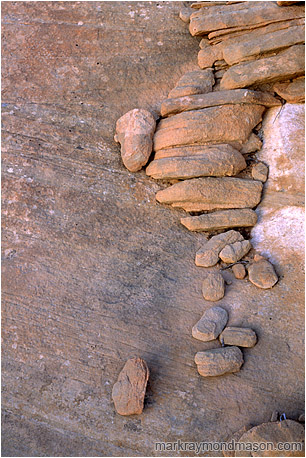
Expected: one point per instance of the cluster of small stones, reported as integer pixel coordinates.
(251, 58)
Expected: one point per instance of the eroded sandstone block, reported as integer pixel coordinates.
(213, 287)
(193, 150)
(239, 271)
(260, 172)
(219, 361)
(235, 251)
(196, 82)
(210, 325)
(292, 92)
(262, 274)
(208, 255)
(240, 337)
(224, 219)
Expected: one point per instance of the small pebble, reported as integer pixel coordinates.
(241, 337)
(260, 172)
(235, 251)
(239, 271)
(210, 325)
(213, 287)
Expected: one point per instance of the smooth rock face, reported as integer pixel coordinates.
(216, 163)
(212, 194)
(260, 172)
(252, 144)
(134, 131)
(219, 361)
(292, 92)
(285, 65)
(208, 255)
(210, 325)
(241, 337)
(129, 391)
(262, 274)
(196, 82)
(224, 124)
(221, 220)
(235, 251)
(239, 271)
(213, 287)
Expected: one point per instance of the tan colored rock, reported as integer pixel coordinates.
(208, 55)
(285, 65)
(219, 361)
(208, 255)
(196, 82)
(129, 391)
(235, 251)
(200, 194)
(221, 124)
(286, 431)
(234, 438)
(213, 287)
(262, 274)
(185, 14)
(241, 337)
(221, 220)
(236, 96)
(134, 131)
(260, 172)
(199, 5)
(251, 145)
(292, 92)
(239, 271)
(216, 163)
(193, 150)
(287, 3)
(210, 325)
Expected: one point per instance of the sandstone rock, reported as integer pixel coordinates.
(134, 131)
(208, 55)
(237, 96)
(285, 65)
(286, 431)
(292, 92)
(219, 361)
(199, 5)
(241, 337)
(213, 287)
(234, 438)
(185, 14)
(262, 274)
(210, 325)
(260, 172)
(222, 124)
(287, 3)
(216, 163)
(196, 82)
(208, 255)
(251, 145)
(193, 150)
(235, 251)
(129, 391)
(239, 271)
(200, 194)
(221, 220)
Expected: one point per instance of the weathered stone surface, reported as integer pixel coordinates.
(209, 193)
(236, 96)
(213, 287)
(185, 14)
(262, 274)
(221, 220)
(241, 337)
(235, 251)
(224, 124)
(196, 82)
(208, 55)
(239, 271)
(286, 431)
(287, 3)
(199, 5)
(210, 325)
(251, 145)
(216, 163)
(232, 439)
(285, 65)
(193, 150)
(129, 391)
(208, 255)
(292, 92)
(260, 172)
(134, 131)
(219, 361)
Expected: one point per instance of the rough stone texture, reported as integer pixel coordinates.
(252, 144)
(235, 251)
(262, 274)
(210, 325)
(239, 271)
(213, 287)
(260, 172)
(208, 255)
(241, 337)
(185, 14)
(212, 194)
(221, 220)
(134, 131)
(219, 361)
(193, 150)
(129, 391)
(234, 437)
(292, 92)
(196, 82)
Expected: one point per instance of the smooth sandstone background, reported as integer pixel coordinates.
(95, 271)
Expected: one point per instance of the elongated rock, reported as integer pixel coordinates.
(196, 82)
(221, 220)
(239, 271)
(210, 325)
(235, 251)
(200, 194)
(214, 163)
(193, 150)
(262, 274)
(292, 92)
(285, 65)
(208, 255)
(213, 287)
(218, 361)
(222, 124)
(199, 101)
(241, 337)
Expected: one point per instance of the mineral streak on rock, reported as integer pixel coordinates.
(224, 219)
(196, 82)
(239, 271)
(210, 325)
(241, 337)
(235, 251)
(292, 92)
(262, 274)
(208, 255)
(129, 391)
(219, 361)
(213, 287)
(134, 131)
(260, 172)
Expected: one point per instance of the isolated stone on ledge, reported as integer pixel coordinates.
(208, 255)
(213, 287)
(134, 131)
(262, 274)
(129, 391)
(223, 219)
(210, 325)
(235, 251)
(241, 337)
(219, 361)
(196, 82)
